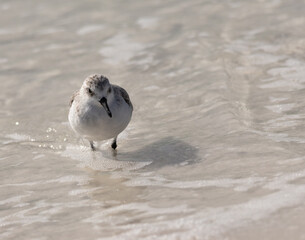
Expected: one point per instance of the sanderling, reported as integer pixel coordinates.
(100, 110)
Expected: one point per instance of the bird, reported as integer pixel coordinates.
(99, 110)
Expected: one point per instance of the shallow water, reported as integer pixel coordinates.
(215, 148)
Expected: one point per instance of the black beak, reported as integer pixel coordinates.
(103, 101)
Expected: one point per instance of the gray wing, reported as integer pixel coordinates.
(124, 95)
(73, 97)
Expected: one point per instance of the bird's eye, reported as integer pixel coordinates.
(90, 91)
(109, 90)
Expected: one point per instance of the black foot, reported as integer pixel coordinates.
(114, 145)
(92, 146)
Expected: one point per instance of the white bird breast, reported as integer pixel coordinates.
(91, 121)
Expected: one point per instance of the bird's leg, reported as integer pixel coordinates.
(114, 145)
(92, 146)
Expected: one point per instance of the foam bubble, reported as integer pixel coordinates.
(279, 108)
(207, 222)
(13, 199)
(16, 137)
(121, 49)
(238, 184)
(262, 58)
(99, 160)
(147, 22)
(89, 29)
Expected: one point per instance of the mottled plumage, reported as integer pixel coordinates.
(121, 91)
(73, 96)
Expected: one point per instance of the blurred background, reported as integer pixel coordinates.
(215, 148)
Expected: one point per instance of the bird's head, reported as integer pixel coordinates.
(98, 88)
